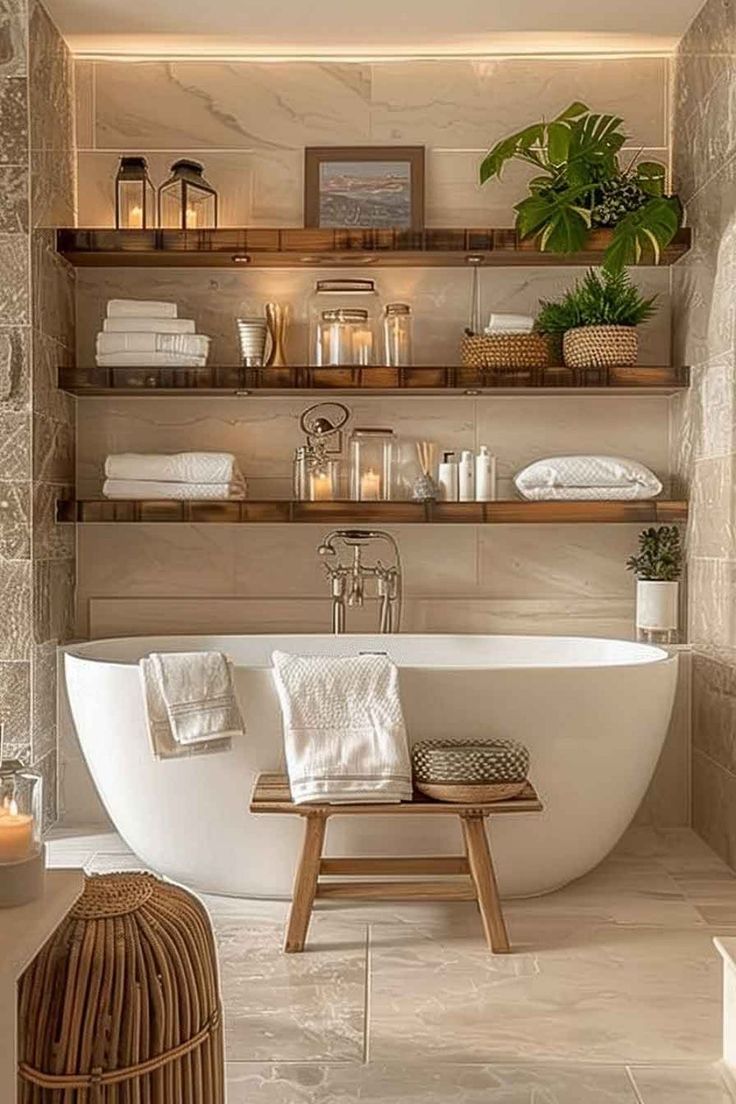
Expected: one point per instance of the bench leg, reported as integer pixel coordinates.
(305, 882)
(484, 879)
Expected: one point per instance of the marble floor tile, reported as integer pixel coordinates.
(306, 1007)
(681, 1085)
(570, 992)
(379, 1083)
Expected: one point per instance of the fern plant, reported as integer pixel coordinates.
(599, 299)
(580, 183)
(660, 555)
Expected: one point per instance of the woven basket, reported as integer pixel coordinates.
(469, 762)
(600, 347)
(122, 1005)
(512, 352)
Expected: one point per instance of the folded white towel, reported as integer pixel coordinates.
(344, 733)
(149, 325)
(510, 323)
(596, 476)
(149, 360)
(190, 702)
(590, 494)
(194, 345)
(141, 308)
(152, 489)
(174, 467)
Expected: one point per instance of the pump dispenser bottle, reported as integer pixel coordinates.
(466, 477)
(485, 475)
(447, 477)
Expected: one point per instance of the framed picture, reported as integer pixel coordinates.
(366, 187)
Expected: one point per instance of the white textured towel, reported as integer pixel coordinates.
(154, 489)
(190, 702)
(149, 360)
(344, 733)
(141, 308)
(173, 467)
(510, 323)
(587, 477)
(149, 325)
(190, 345)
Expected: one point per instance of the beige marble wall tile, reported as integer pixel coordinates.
(15, 521)
(14, 278)
(673, 1085)
(712, 604)
(14, 120)
(714, 710)
(53, 289)
(15, 692)
(84, 106)
(233, 105)
(43, 701)
(15, 446)
(535, 616)
(705, 92)
(471, 104)
(15, 610)
(14, 207)
(13, 54)
(53, 450)
(51, 540)
(53, 600)
(712, 525)
(49, 356)
(15, 368)
(714, 798)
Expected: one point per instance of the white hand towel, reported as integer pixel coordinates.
(195, 345)
(141, 308)
(149, 325)
(510, 323)
(149, 360)
(190, 702)
(344, 733)
(175, 467)
(151, 489)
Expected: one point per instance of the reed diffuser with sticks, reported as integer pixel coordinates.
(425, 487)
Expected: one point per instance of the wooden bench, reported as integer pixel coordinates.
(272, 795)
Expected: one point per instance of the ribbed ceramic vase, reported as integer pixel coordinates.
(657, 606)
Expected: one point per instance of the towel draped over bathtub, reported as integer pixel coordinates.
(190, 703)
(344, 733)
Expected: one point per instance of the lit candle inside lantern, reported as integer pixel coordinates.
(321, 486)
(135, 218)
(16, 833)
(370, 486)
(191, 218)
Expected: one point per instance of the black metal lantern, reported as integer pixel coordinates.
(135, 195)
(186, 201)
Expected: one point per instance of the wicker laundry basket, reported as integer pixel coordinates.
(600, 347)
(122, 1004)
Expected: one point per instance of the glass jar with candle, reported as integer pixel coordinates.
(135, 195)
(372, 464)
(186, 201)
(21, 849)
(397, 335)
(343, 316)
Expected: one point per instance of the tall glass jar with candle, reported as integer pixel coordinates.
(397, 335)
(372, 456)
(343, 319)
(135, 195)
(21, 849)
(186, 201)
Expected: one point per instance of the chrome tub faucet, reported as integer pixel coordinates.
(344, 554)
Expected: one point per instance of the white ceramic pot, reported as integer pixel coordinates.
(657, 606)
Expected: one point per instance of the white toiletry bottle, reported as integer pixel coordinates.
(485, 475)
(466, 477)
(447, 477)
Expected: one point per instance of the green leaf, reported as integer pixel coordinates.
(558, 142)
(645, 232)
(574, 111)
(562, 226)
(650, 176)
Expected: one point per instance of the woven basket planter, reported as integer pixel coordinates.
(122, 1004)
(509, 352)
(600, 347)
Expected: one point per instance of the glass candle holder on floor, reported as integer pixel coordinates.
(21, 849)
(372, 453)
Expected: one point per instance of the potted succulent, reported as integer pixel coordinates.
(597, 320)
(581, 186)
(657, 567)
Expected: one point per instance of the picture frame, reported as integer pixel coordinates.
(364, 187)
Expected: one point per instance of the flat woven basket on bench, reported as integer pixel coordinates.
(122, 1004)
(470, 769)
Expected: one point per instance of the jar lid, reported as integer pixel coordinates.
(398, 308)
(341, 314)
(372, 431)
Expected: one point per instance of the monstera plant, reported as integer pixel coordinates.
(580, 185)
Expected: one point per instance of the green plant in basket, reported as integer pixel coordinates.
(599, 299)
(580, 185)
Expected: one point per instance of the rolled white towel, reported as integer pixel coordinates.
(150, 489)
(148, 325)
(141, 308)
(174, 467)
(149, 360)
(190, 345)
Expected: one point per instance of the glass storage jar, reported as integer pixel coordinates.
(372, 454)
(343, 316)
(397, 335)
(21, 809)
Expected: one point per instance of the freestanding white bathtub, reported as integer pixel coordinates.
(594, 714)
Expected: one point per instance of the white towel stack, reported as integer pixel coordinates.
(180, 475)
(510, 323)
(344, 735)
(147, 334)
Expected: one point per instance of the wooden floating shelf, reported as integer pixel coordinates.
(277, 511)
(432, 380)
(286, 248)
